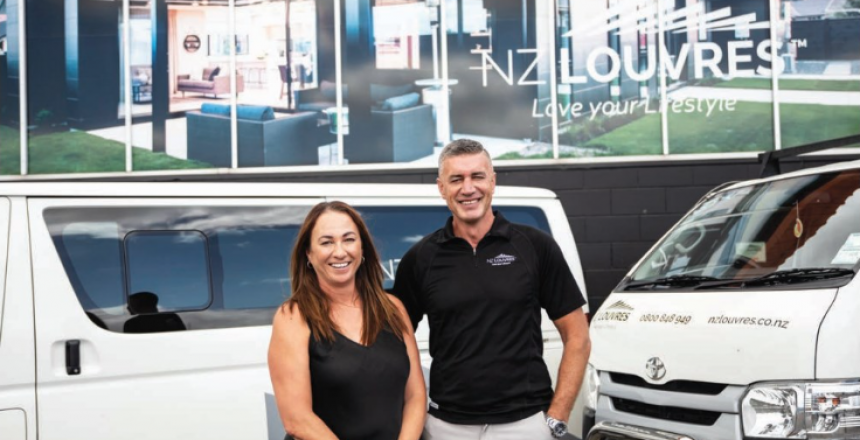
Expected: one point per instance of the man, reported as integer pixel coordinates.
(482, 281)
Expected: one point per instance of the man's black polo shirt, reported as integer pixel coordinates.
(483, 307)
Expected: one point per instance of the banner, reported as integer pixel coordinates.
(203, 84)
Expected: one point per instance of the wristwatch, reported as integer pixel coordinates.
(557, 428)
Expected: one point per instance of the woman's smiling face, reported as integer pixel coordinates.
(335, 250)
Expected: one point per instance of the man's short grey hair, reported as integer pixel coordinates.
(462, 147)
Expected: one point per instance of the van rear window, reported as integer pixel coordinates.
(153, 269)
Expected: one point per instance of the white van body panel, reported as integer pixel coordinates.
(180, 380)
(564, 237)
(17, 344)
(741, 350)
(5, 215)
(838, 342)
(167, 385)
(730, 337)
(13, 424)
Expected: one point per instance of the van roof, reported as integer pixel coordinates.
(831, 168)
(242, 189)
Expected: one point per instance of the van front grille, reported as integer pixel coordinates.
(678, 386)
(671, 413)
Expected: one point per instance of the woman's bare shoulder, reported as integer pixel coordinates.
(289, 317)
(290, 338)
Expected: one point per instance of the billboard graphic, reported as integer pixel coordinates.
(201, 84)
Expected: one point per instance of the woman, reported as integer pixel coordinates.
(343, 358)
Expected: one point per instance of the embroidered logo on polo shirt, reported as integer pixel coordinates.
(501, 260)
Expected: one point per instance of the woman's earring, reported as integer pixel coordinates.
(308, 264)
(362, 259)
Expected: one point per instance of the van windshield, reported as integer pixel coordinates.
(788, 231)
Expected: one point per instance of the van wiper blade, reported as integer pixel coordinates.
(801, 275)
(789, 276)
(672, 281)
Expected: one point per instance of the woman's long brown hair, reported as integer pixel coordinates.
(378, 312)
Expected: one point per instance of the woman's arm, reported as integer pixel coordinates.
(289, 367)
(415, 399)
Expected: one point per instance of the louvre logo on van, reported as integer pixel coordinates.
(618, 311)
(621, 305)
(501, 260)
(613, 316)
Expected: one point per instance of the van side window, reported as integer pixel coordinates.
(93, 260)
(153, 269)
(162, 268)
(396, 229)
(170, 265)
(254, 265)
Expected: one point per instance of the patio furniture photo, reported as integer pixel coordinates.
(403, 129)
(265, 138)
(212, 82)
(320, 98)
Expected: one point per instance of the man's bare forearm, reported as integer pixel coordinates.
(570, 375)
(573, 329)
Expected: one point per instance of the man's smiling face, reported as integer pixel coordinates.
(467, 183)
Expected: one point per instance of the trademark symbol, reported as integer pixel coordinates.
(799, 43)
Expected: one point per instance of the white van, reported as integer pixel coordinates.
(742, 322)
(142, 310)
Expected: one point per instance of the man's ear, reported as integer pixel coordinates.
(441, 186)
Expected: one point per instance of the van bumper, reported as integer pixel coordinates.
(621, 431)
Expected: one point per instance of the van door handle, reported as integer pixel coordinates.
(73, 357)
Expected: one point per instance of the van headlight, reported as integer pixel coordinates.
(592, 386)
(818, 410)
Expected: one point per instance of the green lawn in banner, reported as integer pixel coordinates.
(793, 84)
(80, 152)
(804, 124)
(748, 128)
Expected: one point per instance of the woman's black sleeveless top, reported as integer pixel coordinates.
(358, 391)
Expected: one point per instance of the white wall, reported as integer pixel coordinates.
(189, 22)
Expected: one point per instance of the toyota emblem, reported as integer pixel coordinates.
(655, 368)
